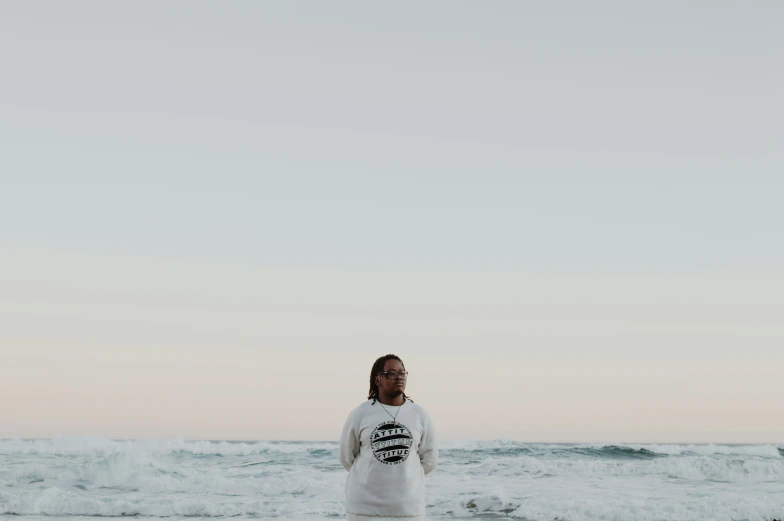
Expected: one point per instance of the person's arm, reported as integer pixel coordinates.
(349, 442)
(428, 447)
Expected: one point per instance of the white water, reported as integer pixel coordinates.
(85, 477)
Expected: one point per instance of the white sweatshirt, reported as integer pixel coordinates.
(387, 463)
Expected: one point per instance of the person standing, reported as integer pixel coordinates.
(387, 445)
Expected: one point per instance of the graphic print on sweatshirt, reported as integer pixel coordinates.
(391, 443)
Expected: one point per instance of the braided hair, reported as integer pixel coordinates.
(378, 367)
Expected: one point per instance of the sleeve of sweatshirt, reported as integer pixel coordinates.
(428, 447)
(349, 442)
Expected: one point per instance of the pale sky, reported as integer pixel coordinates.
(565, 218)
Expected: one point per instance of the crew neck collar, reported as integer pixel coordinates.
(385, 405)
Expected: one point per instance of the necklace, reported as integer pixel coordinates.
(394, 418)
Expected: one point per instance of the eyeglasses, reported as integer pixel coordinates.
(394, 375)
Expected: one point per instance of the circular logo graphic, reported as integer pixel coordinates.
(391, 443)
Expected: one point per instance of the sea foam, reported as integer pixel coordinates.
(178, 479)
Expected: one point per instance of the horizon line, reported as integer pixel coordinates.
(778, 443)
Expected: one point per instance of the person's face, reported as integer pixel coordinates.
(391, 386)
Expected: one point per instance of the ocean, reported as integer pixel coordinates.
(83, 478)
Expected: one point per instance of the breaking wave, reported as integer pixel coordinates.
(475, 479)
